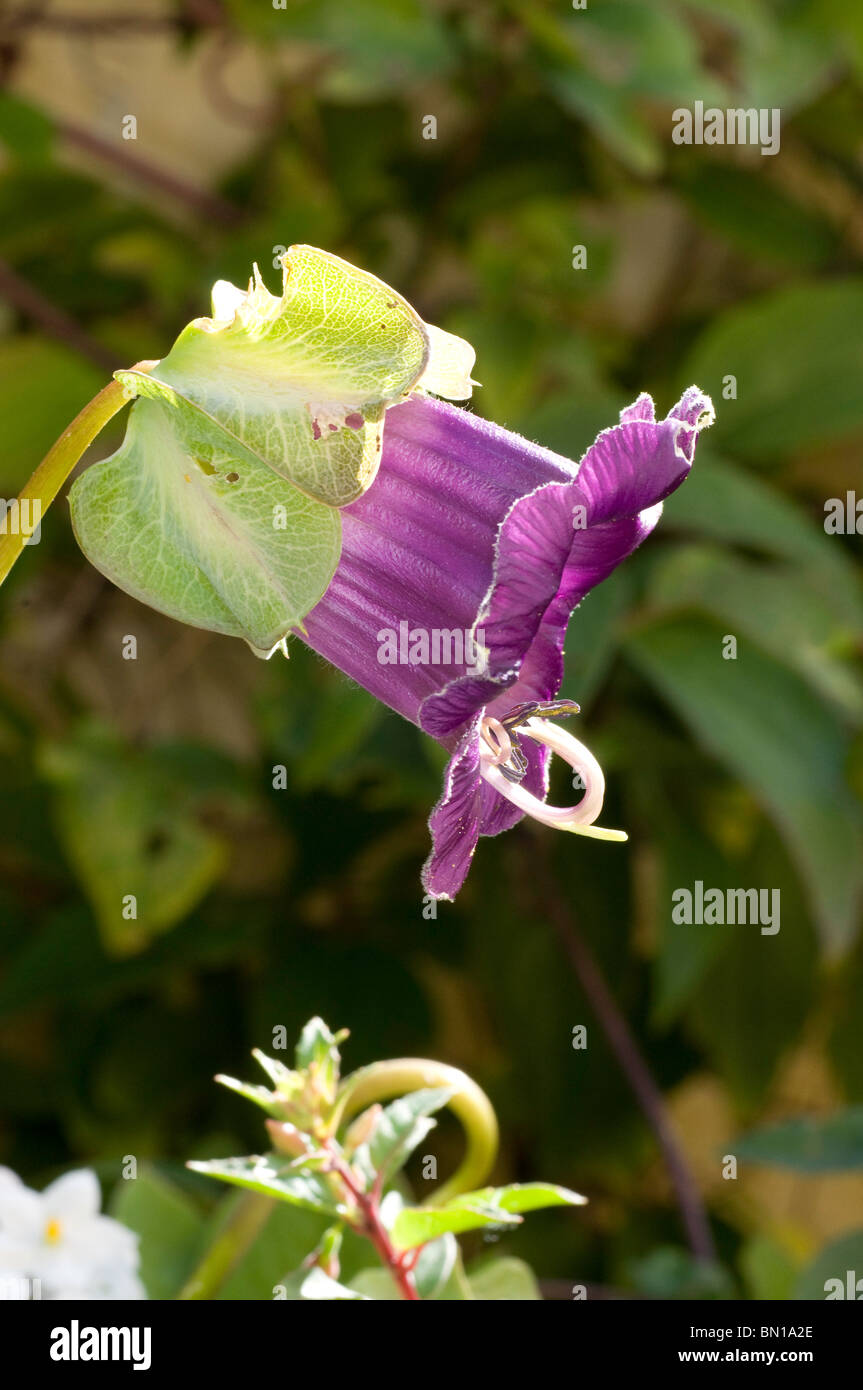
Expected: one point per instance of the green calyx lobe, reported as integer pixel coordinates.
(221, 507)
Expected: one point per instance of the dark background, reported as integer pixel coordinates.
(259, 127)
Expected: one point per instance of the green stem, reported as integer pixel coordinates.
(245, 1222)
(58, 463)
(386, 1080)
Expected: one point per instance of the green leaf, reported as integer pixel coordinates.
(258, 1095)
(767, 1269)
(846, 1010)
(777, 606)
(373, 47)
(651, 54)
(315, 1044)
(25, 130)
(669, 1273)
(282, 1077)
(415, 1225)
(300, 382)
(288, 1235)
(756, 218)
(827, 1275)
(797, 355)
(809, 1145)
(727, 503)
(764, 724)
(377, 1284)
(318, 1053)
(742, 1040)
(218, 509)
(128, 825)
(593, 638)
(529, 1196)
(654, 49)
(273, 1177)
(43, 385)
(503, 1279)
(435, 1265)
(203, 533)
(685, 952)
(610, 113)
(401, 1126)
(168, 1226)
(487, 1206)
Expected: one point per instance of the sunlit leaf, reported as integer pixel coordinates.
(415, 1225)
(273, 1177)
(487, 1206)
(218, 509)
(301, 381)
(213, 539)
(435, 1265)
(401, 1126)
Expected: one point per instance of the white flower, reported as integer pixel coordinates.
(59, 1238)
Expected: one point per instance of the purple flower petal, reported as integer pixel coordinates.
(454, 822)
(545, 565)
(471, 529)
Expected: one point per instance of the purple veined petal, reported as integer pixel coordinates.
(471, 527)
(642, 409)
(696, 410)
(419, 546)
(557, 544)
(454, 822)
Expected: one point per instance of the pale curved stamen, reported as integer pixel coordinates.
(498, 744)
(579, 818)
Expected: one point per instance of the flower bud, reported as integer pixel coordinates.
(363, 1127)
(287, 1139)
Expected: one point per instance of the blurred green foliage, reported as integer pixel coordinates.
(260, 907)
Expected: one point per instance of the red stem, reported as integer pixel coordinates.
(374, 1228)
(382, 1243)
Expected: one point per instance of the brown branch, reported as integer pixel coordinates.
(33, 305)
(135, 166)
(202, 13)
(91, 25)
(623, 1044)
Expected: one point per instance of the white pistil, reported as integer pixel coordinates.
(579, 818)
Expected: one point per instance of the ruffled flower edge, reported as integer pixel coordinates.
(553, 547)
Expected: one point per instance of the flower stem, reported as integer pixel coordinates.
(246, 1221)
(368, 1204)
(58, 463)
(385, 1080)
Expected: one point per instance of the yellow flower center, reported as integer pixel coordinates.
(53, 1231)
